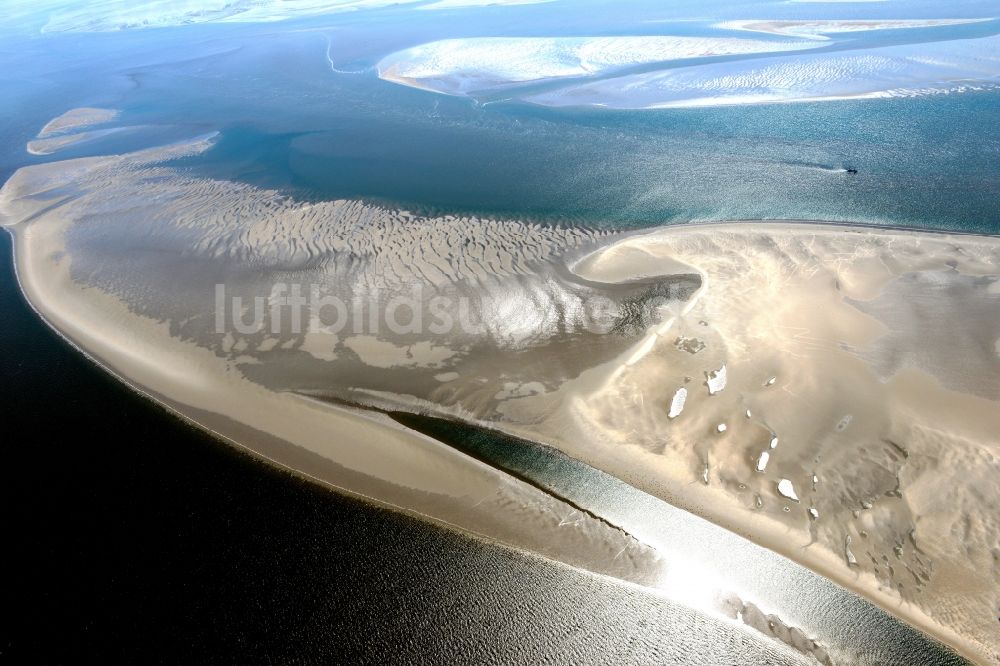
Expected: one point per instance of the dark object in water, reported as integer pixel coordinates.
(851, 171)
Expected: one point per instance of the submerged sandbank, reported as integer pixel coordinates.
(54, 144)
(75, 127)
(76, 119)
(806, 343)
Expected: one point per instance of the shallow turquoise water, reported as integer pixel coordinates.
(288, 121)
(921, 163)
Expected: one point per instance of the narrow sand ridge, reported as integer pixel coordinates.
(76, 119)
(72, 128)
(841, 384)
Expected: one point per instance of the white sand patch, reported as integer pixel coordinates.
(624, 263)
(716, 380)
(466, 66)
(677, 403)
(787, 489)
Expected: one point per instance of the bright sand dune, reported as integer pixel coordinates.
(464, 66)
(819, 28)
(840, 385)
(897, 71)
